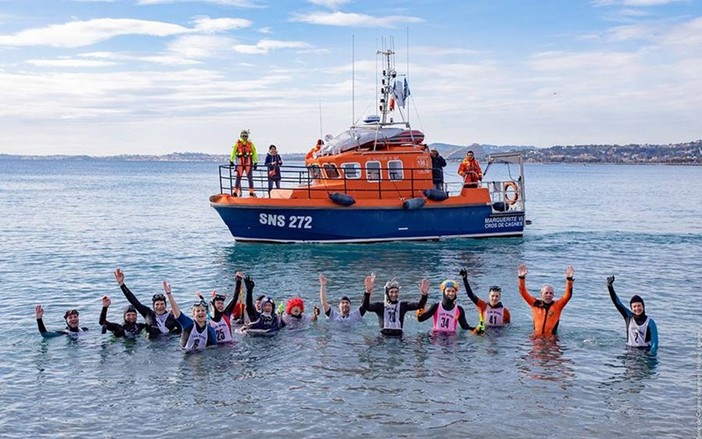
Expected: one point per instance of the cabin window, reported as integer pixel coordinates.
(330, 170)
(373, 171)
(395, 169)
(315, 172)
(352, 171)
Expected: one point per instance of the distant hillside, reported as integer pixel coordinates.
(689, 153)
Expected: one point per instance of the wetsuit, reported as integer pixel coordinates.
(195, 337)
(546, 315)
(71, 332)
(641, 331)
(155, 325)
(260, 322)
(353, 317)
(447, 316)
(391, 316)
(126, 329)
(222, 321)
(496, 315)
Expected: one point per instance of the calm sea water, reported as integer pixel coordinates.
(65, 226)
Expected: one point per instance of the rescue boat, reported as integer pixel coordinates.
(372, 182)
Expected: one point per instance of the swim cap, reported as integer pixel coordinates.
(129, 308)
(157, 297)
(292, 303)
(448, 283)
(637, 299)
(70, 313)
(346, 298)
(261, 297)
(221, 297)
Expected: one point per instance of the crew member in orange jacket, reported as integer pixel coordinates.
(246, 159)
(546, 311)
(311, 154)
(470, 170)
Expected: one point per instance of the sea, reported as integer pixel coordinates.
(66, 225)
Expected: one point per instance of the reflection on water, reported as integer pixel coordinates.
(632, 368)
(547, 361)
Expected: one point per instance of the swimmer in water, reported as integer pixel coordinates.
(197, 334)
(546, 311)
(492, 313)
(344, 314)
(641, 330)
(129, 328)
(391, 312)
(447, 313)
(159, 321)
(73, 328)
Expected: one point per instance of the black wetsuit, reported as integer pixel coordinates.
(379, 309)
(73, 332)
(126, 330)
(258, 320)
(149, 315)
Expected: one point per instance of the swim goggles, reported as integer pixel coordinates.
(221, 297)
(200, 303)
(157, 297)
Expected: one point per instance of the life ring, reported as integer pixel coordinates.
(511, 200)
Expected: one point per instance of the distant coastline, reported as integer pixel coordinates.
(689, 153)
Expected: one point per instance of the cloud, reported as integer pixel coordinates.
(235, 3)
(69, 62)
(331, 4)
(265, 46)
(635, 3)
(353, 19)
(581, 61)
(215, 25)
(85, 33)
(200, 46)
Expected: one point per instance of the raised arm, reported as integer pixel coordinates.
(615, 299)
(424, 295)
(469, 291)
(368, 285)
(131, 298)
(175, 309)
(250, 307)
(237, 289)
(522, 272)
(569, 275)
(323, 293)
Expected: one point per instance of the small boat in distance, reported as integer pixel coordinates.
(371, 183)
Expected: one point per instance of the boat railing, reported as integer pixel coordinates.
(408, 182)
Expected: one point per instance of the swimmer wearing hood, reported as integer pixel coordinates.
(73, 328)
(197, 333)
(492, 312)
(265, 321)
(391, 312)
(129, 328)
(641, 330)
(447, 313)
(224, 315)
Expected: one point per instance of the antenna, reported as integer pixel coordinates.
(321, 131)
(353, 78)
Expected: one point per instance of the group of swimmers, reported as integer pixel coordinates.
(213, 322)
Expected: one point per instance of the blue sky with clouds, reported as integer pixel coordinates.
(106, 77)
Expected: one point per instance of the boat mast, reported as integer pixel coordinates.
(389, 75)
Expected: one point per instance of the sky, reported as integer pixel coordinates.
(109, 77)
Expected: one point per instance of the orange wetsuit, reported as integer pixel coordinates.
(546, 316)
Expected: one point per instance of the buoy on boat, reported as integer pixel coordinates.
(342, 199)
(414, 203)
(435, 194)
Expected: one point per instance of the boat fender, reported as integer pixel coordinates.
(500, 206)
(414, 203)
(435, 194)
(342, 199)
